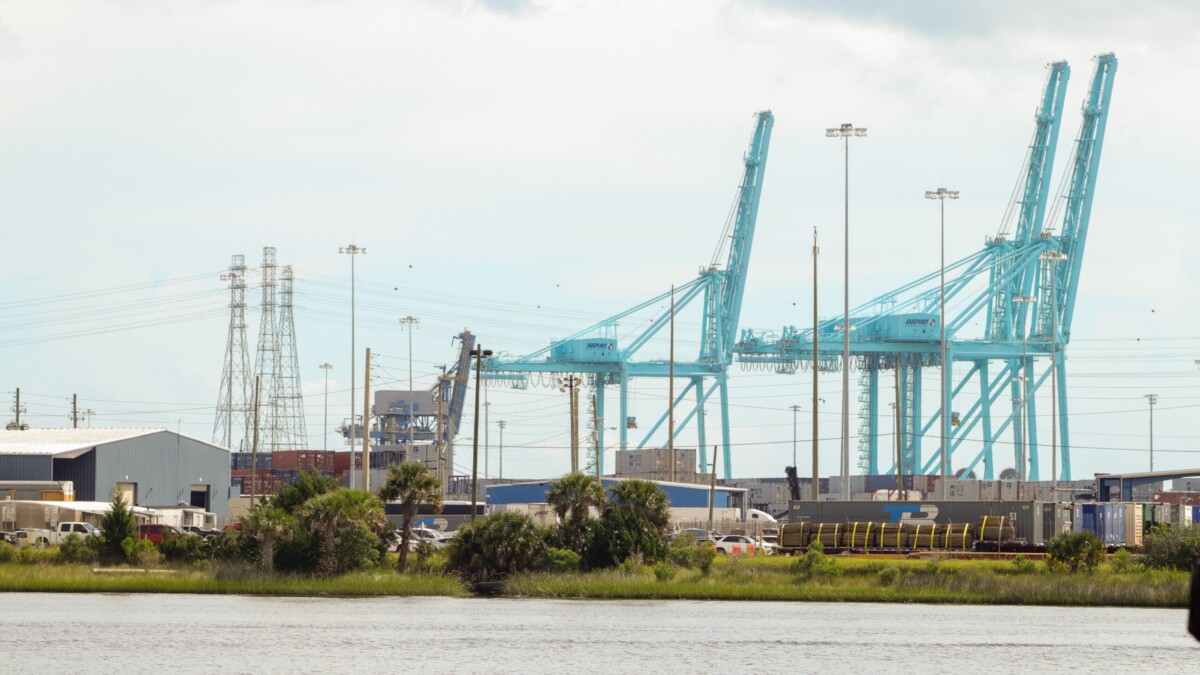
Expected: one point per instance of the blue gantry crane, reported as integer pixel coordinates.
(1023, 283)
(595, 354)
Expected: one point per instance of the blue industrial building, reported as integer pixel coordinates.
(681, 495)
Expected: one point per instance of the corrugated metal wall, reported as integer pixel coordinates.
(535, 493)
(82, 472)
(164, 466)
(26, 467)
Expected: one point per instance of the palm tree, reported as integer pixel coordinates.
(410, 484)
(645, 500)
(495, 547)
(328, 512)
(572, 496)
(268, 523)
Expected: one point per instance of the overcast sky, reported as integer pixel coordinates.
(524, 169)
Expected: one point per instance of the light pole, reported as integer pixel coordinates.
(353, 251)
(1024, 379)
(1151, 399)
(795, 410)
(478, 353)
(845, 131)
(411, 322)
(501, 424)
(487, 428)
(326, 367)
(1052, 258)
(942, 194)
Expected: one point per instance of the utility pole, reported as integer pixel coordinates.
(795, 411)
(479, 352)
(816, 480)
(671, 398)
(1151, 399)
(325, 428)
(366, 437)
(568, 384)
(596, 436)
(17, 410)
(74, 411)
(501, 424)
(412, 322)
(254, 443)
(487, 430)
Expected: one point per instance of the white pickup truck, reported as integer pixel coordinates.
(65, 529)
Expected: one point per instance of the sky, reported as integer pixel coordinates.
(525, 168)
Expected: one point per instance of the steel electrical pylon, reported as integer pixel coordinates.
(594, 352)
(234, 417)
(291, 433)
(266, 358)
(900, 329)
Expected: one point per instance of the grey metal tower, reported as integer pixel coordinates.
(289, 403)
(234, 417)
(266, 359)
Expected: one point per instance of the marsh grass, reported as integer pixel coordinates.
(878, 580)
(234, 580)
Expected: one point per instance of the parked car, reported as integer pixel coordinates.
(700, 534)
(420, 535)
(31, 536)
(740, 544)
(157, 532)
(196, 529)
(66, 529)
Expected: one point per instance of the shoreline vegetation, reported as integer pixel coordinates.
(314, 538)
(856, 579)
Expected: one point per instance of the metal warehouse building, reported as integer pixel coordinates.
(153, 467)
(681, 495)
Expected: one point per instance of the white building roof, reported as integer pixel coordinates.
(69, 443)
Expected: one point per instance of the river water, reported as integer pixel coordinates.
(157, 633)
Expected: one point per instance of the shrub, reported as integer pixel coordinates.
(75, 550)
(1168, 548)
(1074, 552)
(7, 552)
(888, 576)
(140, 552)
(1023, 565)
(185, 548)
(663, 571)
(708, 554)
(428, 559)
(29, 555)
(495, 547)
(556, 560)
(1123, 562)
(684, 552)
(619, 535)
(357, 548)
(814, 563)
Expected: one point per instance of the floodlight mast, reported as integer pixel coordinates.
(845, 131)
(942, 194)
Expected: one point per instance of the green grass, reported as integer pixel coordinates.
(235, 581)
(861, 580)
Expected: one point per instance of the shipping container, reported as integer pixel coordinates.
(924, 513)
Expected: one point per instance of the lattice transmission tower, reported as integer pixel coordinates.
(234, 401)
(266, 359)
(288, 403)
